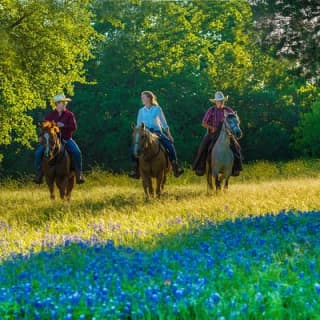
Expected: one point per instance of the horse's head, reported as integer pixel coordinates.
(49, 138)
(232, 124)
(142, 139)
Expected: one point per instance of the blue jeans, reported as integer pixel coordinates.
(168, 145)
(71, 146)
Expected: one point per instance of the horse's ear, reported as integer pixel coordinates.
(143, 126)
(133, 125)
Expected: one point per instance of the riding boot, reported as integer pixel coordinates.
(79, 176)
(177, 171)
(135, 173)
(39, 176)
(200, 164)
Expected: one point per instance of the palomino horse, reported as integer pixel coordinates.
(56, 162)
(153, 162)
(222, 158)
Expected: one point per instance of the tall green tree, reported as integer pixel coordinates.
(43, 47)
(307, 134)
(183, 50)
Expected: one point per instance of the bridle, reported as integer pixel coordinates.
(56, 148)
(145, 144)
(230, 128)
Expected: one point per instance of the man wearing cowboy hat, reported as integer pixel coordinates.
(66, 121)
(211, 120)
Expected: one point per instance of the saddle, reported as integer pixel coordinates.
(163, 148)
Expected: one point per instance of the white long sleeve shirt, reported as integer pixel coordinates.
(153, 118)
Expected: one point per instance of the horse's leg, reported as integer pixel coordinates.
(163, 182)
(159, 180)
(209, 177)
(50, 183)
(226, 184)
(217, 179)
(150, 186)
(62, 185)
(145, 184)
(70, 186)
(218, 183)
(228, 175)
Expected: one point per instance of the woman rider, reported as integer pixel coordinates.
(66, 121)
(153, 117)
(211, 120)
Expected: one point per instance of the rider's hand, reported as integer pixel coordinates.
(60, 124)
(170, 138)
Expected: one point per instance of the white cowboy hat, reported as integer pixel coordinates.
(218, 96)
(60, 97)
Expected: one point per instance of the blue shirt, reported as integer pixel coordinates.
(153, 118)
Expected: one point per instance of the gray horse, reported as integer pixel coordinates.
(220, 166)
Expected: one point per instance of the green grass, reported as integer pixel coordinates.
(29, 219)
(281, 282)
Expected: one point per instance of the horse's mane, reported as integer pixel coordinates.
(50, 126)
(235, 115)
(151, 136)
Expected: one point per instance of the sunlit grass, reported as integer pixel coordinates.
(193, 254)
(113, 207)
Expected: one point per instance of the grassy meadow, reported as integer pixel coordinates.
(249, 253)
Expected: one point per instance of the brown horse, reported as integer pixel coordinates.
(153, 161)
(56, 162)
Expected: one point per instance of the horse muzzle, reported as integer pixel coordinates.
(238, 134)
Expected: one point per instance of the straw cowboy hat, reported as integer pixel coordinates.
(219, 97)
(60, 97)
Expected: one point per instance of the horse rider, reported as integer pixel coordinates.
(66, 121)
(211, 120)
(152, 116)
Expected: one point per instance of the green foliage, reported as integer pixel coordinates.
(184, 51)
(308, 132)
(43, 47)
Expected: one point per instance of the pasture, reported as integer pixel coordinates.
(249, 253)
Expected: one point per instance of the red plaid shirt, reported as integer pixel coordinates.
(67, 118)
(214, 116)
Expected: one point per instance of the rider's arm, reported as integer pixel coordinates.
(71, 123)
(207, 126)
(164, 124)
(163, 120)
(139, 118)
(205, 120)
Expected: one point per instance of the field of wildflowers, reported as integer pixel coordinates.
(251, 253)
